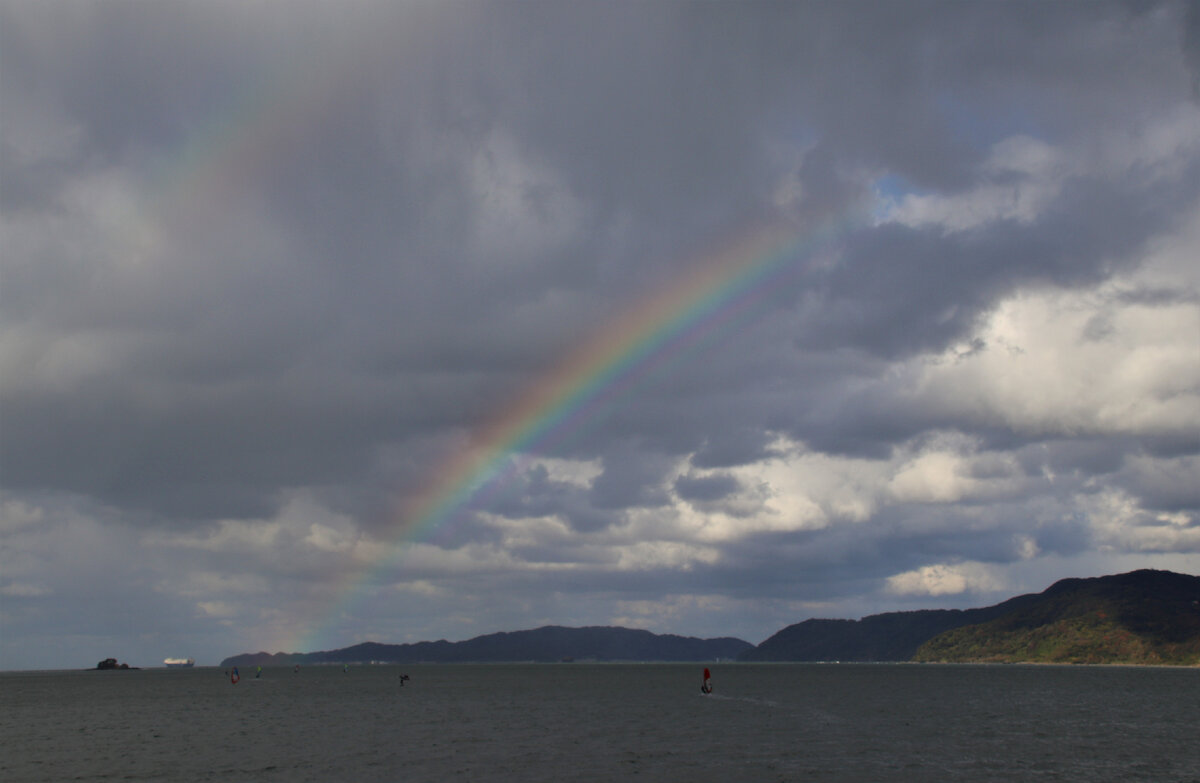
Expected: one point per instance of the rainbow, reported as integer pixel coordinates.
(721, 288)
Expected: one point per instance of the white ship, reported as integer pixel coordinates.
(178, 663)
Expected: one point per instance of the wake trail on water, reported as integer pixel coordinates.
(745, 699)
(813, 713)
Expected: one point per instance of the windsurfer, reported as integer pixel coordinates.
(706, 686)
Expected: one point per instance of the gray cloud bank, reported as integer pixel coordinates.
(266, 266)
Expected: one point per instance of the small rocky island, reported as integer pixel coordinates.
(111, 663)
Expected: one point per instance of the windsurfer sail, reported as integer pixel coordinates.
(234, 676)
(706, 686)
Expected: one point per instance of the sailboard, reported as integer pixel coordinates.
(706, 685)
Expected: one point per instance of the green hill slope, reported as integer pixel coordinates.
(1143, 617)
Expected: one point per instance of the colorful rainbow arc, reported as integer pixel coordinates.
(590, 379)
(722, 286)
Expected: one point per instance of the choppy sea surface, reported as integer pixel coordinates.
(600, 722)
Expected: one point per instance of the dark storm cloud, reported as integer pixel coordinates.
(1080, 456)
(631, 477)
(1168, 486)
(536, 494)
(901, 290)
(727, 447)
(1191, 44)
(826, 562)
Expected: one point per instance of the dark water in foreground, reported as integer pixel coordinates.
(764, 722)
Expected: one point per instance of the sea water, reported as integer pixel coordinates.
(600, 722)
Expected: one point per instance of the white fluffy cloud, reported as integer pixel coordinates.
(944, 579)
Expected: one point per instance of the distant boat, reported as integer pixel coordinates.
(179, 663)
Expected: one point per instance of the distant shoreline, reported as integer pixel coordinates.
(582, 664)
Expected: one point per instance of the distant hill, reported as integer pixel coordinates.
(550, 643)
(1139, 617)
(1143, 617)
(894, 636)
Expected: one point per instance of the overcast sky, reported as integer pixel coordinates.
(901, 303)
